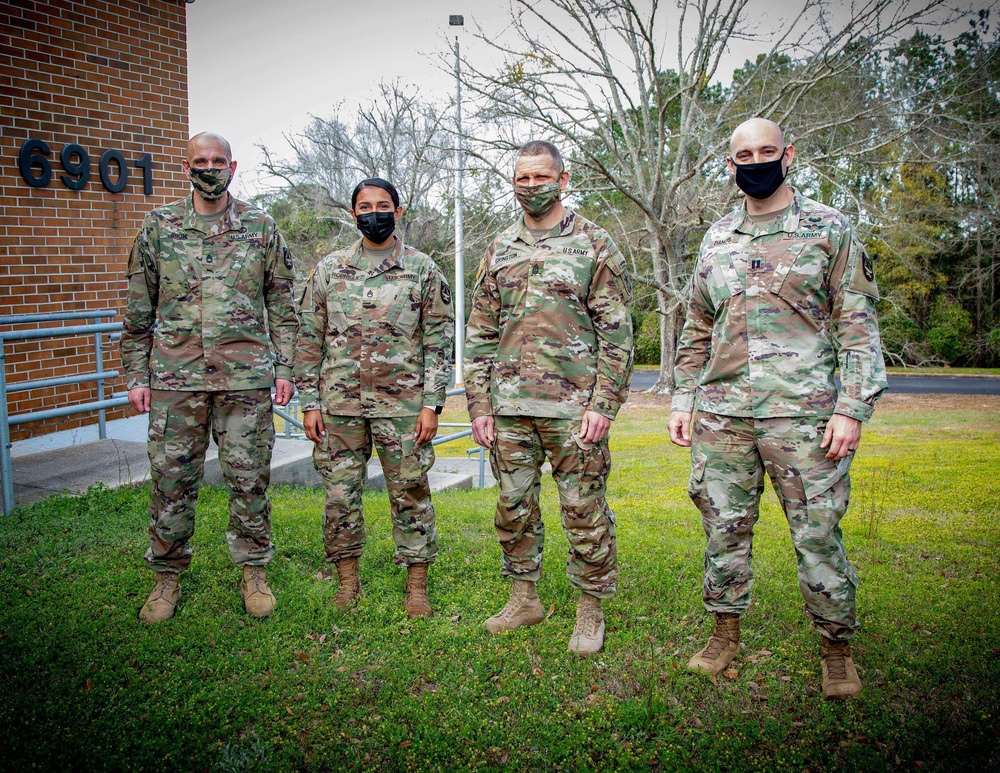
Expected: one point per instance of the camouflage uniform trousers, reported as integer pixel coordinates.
(342, 460)
(581, 475)
(729, 456)
(179, 424)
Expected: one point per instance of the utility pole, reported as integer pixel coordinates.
(459, 21)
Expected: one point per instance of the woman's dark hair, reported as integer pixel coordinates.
(376, 182)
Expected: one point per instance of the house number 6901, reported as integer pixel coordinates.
(33, 161)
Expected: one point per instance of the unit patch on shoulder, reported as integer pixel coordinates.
(863, 276)
(288, 259)
(445, 294)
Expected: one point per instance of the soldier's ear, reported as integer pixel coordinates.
(564, 180)
(399, 212)
(789, 156)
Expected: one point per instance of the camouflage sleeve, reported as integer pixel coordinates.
(695, 344)
(608, 300)
(482, 339)
(437, 317)
(140, 307)
(281, 320)
(855, 330)
(309, 342)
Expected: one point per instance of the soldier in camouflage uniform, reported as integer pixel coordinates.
(548, 364)
(372, 367)
(782, 295)
(201, 358)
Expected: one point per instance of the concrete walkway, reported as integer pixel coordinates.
(42, 469)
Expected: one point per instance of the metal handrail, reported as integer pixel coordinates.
(100, 405)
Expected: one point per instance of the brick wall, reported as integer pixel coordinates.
(107, 76)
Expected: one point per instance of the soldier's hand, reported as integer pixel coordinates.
(842, 436)
(594, 427)
(283, 391)
(484, 431)
(427, 426)
(313, 422)
(679, 425)
(140, 397)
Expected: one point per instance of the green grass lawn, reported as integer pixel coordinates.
(85, 686)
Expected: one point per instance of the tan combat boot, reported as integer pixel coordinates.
(721, 648)
(163, 600)
(257, 597)
(522, 609)
(417, 603)
(840, 677)
(588, 634)
(350, 583)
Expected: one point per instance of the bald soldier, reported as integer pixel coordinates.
(209, 329)
(548, 363)
(782, 299)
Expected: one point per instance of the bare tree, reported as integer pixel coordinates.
(592, 76)
(398, 136)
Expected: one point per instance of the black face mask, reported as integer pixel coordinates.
(760, 181)
(377, 226)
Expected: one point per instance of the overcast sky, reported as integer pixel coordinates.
(257, 69)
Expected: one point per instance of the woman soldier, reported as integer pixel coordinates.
(372, 367)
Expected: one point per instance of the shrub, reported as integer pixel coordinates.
(647, 339)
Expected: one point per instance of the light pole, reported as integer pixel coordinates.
(455, 20)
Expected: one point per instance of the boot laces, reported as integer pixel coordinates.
(255, 577)
(517, 600)
(163, 585)
(415, 592)
(586, 623)
(836, 661)
(717, 643)
(586, 620)
(348, 586)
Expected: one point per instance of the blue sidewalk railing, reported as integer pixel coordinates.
(95, 328)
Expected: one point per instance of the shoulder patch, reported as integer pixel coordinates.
(445, 293)
(288, 259)
(863, 276)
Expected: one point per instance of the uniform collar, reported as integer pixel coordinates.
(564, 227)
(395, 259)
(230, 220)
(741, 222)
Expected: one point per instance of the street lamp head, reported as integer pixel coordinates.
(456, 20)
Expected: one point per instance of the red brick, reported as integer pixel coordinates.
(66, 250)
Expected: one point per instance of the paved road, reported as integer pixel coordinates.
(925, 385)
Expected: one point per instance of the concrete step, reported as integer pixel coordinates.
(292, 464)
(114, 463)
(439, 480)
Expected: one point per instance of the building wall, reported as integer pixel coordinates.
(106, 76)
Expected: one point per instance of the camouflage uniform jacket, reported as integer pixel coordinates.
(207, 294)
(374, 342)
(774, 310)
(550, 332)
